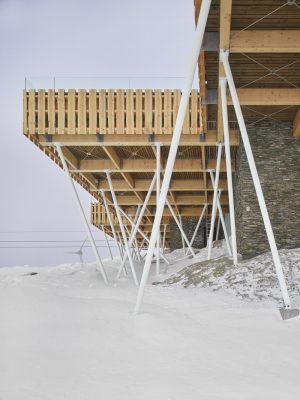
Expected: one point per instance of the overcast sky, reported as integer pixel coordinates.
(70, 38)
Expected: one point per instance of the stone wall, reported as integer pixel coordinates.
(277, 157)
(189, 225)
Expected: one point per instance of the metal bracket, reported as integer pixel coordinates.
(210, 41)
(100, 137)
(48, 138)
(151, 138)
(202, 137)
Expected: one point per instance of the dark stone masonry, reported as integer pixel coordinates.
(189, 225)
(277, 157)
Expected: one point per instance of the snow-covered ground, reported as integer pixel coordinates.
(65, 335)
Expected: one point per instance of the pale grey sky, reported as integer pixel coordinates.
(71, 38)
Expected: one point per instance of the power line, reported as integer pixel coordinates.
(49, 247)
(50, 241)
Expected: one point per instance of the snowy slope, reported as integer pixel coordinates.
(253, 279)
(65, 335)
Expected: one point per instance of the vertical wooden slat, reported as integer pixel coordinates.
(186, 124)
(129, 112)
(158, 112)
(148, 112)
(92, 112)
(194, 112)
(61, 111)
(51, 111)
(102, 111)
(41, 111)
(82, 112)
(25, 109)
(176, 101)
(111, 111)
(139, 112)
(31, 107)
(167, 112)
(120, 111)
(71, 112)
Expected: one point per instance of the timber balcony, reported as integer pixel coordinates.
(108, 112)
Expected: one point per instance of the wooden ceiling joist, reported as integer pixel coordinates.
(177, 185)
(145, 165)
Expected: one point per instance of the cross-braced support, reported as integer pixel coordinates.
(136, 225)
(121, 227)
(198, 224)
(215, 203)
(142, 233)
(112, 227)
(183, 235)
(223, 85)
(82, 214)
(205, 5)
(255, 177)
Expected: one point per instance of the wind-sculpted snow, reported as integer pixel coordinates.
(253, 279)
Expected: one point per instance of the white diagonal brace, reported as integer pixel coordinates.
(107, 242)
(215, 202)
(198, 224)
(121, 227)
(183, 235)
(111, 222)
(137, 224)
(221, 215)
(223, 85)
(82, 214)
(255, 177)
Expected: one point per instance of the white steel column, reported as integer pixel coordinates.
(205, 5)
(107, 242)
(255, 177)
(111, 222)
(84, 219)
(215, 202)
(223, 86)
(221, 215)
(121, 227)
(183, 235)
(157, 201)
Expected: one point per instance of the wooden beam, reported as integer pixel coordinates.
(296, 126)
(189, 199)
(176, 185)
(186, 211)
(134, 140)
(267, 97)
(225, 22)
(145, 165)
(265, 41)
